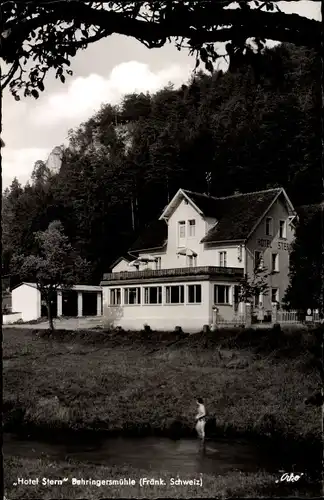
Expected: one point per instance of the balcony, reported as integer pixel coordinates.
(177, 273)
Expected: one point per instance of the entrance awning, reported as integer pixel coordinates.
(134, 263)
(187, 252)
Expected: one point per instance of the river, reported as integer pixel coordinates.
(156, 453)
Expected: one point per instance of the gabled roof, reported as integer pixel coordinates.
(237, 216)
(154, 236)
(175, 202)
(32, 285)
(128, 258)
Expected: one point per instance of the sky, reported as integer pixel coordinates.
(102, 73)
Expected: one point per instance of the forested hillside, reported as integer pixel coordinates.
(250, 130)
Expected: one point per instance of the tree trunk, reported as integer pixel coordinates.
(133, 215)
(49, 314)
(136, 213)
(321, 308)
(167, 186)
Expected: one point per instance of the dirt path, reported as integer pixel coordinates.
(64, 323)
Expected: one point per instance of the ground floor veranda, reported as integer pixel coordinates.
(164, 299)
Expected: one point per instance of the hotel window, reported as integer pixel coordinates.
(132, 296)
(221, 294)
(191, 260)
(282, 229)
(182, 229)
(192, 228)
(274, 295)
(158, 263)
(222, 259)
(275, 263)
(257, 259)
(268, 228)
(153, 295)
(194, 294)
(174, 294)
(115, 297)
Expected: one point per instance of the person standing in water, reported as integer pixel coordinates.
(201, 420)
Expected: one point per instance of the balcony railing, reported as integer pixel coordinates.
(234, 272)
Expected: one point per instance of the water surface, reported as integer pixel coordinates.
(156, 453)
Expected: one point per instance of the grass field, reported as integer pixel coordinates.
(253, 382)
(119, 382)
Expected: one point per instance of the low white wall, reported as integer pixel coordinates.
(7, 319)
(190, 318)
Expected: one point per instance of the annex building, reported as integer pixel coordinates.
(186, 267)
(80, 300)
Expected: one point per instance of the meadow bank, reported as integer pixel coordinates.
(253, 381)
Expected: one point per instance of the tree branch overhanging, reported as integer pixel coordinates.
(275, 26)
(47, 24)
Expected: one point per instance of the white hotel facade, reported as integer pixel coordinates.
(187, 266)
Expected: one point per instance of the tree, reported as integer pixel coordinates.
(307, 261)
(51, 32)
(41, 173)
(55, 266)
(11, 219)
(253, 286)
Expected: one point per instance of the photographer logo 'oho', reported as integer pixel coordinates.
(289, 477)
